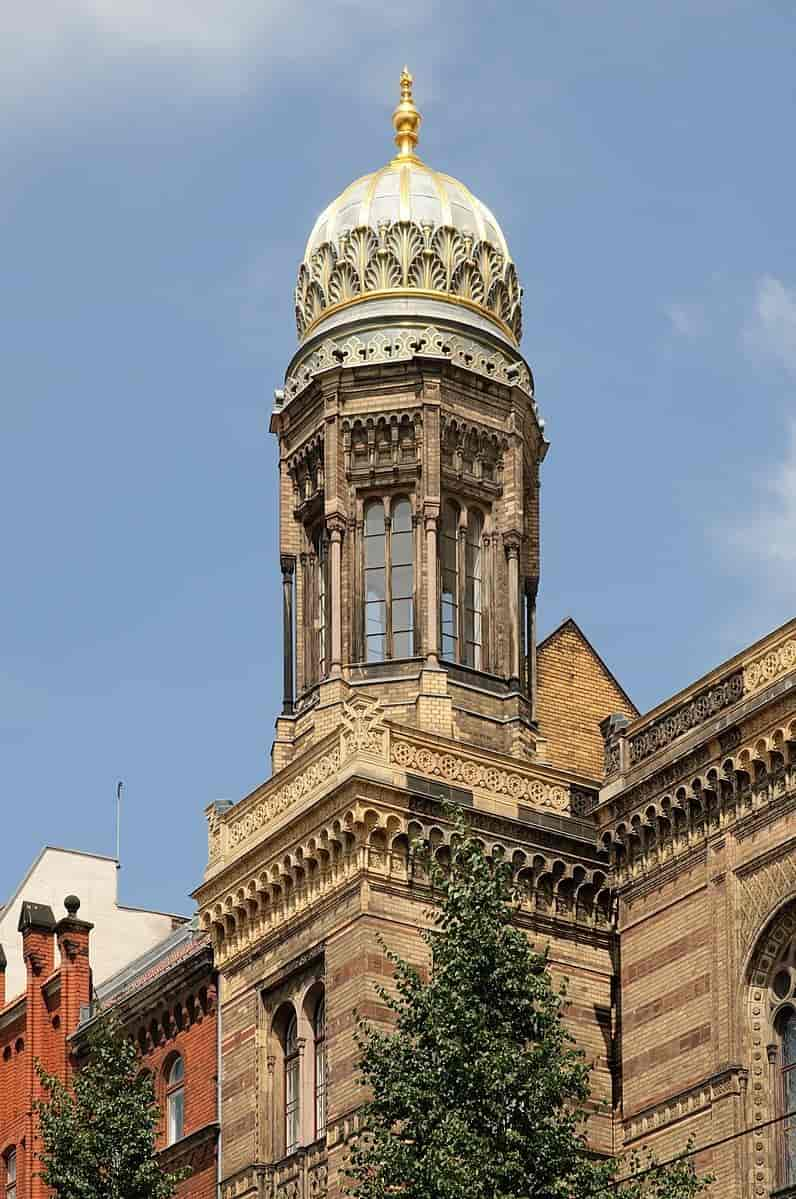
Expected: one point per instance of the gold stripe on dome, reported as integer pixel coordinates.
(444, 197)
(411, 293)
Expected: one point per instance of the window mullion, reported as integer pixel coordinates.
(461, 581)
(388, 578)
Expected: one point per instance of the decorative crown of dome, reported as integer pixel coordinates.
(409, 233)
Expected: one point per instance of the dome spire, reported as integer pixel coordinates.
(406, 119)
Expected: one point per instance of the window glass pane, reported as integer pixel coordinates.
(448, 646)
(401, 548)
(176, 1103)
(375, 585)
(375, 618)
(402, 582)
(11, 1166)
(374, 551)
(402, 645)
(449, 554)
(374, 518)
(177, 1072)
(402, 517)
(376, 648)
(402, 616)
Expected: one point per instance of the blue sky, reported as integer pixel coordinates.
(162, 166)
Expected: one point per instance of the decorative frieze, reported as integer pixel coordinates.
(403, 345)
(253, 818)
(770, 666)
(469, 772)
(668, 728)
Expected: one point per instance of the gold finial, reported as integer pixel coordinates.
(406, 119)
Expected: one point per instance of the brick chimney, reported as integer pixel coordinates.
(2, 977)
(37, 925)
(73, 936)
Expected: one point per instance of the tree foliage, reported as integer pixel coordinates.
(478, 1091)
(99, 1134)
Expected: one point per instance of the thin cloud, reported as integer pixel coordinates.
(67, 49)
(771, 329)
(687, 320)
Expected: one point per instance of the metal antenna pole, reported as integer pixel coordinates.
(119, 790)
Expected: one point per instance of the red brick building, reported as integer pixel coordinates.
(167, 1002)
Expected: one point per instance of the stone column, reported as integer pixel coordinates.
(288, 564)
(336, 525)
(431, 517)
(511, 544)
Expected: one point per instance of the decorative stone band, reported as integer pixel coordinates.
(404, 256)
(686, 1103)
(402, 345)
(770, 666)
(478, 776)
(364, 735)
(662, 732)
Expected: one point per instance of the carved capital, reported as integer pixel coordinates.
(287, 564)
(336, 525)
(512, 540)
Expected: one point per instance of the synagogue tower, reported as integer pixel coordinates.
(410, 444)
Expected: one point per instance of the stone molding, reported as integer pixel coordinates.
(689, 1102)
(364, 734)
(480, 776)
(688, 716)
(371, 348)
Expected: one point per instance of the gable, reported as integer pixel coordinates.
(575, 691)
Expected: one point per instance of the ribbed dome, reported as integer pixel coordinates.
(408, 231)
(406, 191)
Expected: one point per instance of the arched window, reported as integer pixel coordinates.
(787, 1032)
(473, 575)
(449, 591)
(319, 1029)
(389, 581)
(11, 1174)
(175, 1101)
(292, 1087)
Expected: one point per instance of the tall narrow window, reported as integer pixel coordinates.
(375, 583)
(320, 601)
(320, 1067)
(449, 592)
(292, 1087)
(788, 1035)
(11, 1174)
(175, 1101)
(402, 581)
(473, 574)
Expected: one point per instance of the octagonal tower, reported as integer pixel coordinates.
(410, 445)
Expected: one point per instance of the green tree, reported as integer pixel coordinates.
(99, 1134)
(478, 1092)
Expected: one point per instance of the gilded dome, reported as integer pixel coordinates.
(407, 232)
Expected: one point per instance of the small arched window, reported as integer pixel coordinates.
(319, 1029)
(449, 570)
(787, 1032)
(292, 1087)
(11, 1174)
(175, 1101)
(389, 581)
